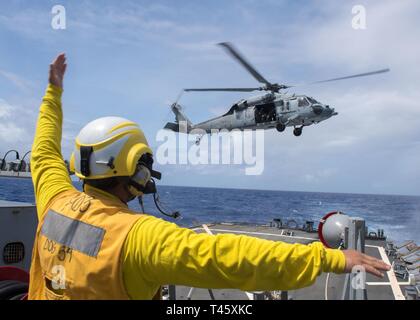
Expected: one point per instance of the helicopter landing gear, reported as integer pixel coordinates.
(297, 131)
(280, 127)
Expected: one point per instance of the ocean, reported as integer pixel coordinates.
(398, 215)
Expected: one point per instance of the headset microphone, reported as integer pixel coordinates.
(143, 183)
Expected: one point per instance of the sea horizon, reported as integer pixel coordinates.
(398, 215)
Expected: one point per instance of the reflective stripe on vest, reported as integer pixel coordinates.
(90, 229)
(73, 234)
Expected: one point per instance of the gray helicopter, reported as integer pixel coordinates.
(272, 109)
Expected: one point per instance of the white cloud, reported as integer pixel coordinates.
(5, 109)
(18, 126)
(11, 133)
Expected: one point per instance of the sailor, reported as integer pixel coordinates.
(90, 245)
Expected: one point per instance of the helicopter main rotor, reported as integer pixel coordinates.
(267, 85)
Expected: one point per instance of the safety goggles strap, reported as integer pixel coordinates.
(85, 153)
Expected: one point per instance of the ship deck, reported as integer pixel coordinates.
(388, 288)
(21, 222)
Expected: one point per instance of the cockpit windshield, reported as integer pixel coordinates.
(312, 100)
(302, 102)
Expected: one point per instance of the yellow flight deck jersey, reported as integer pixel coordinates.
(154, 252)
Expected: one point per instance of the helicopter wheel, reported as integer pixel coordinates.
(297, 131)
(280, 127)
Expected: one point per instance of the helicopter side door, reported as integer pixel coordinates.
(293, 104)
(282, 109)
(265, 113)
(304, 110)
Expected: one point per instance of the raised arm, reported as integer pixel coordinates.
(49, 173)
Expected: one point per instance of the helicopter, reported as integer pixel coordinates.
(273, 109)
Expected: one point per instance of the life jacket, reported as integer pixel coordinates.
(78, 246)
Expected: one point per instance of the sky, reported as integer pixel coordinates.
(132, 58)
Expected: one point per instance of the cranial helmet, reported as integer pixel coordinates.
(113, 147)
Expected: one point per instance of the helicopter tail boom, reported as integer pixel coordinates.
(182, 123)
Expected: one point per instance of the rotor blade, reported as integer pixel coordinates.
(179, 96)
(234, 52)
(354, 76)
(224, 89)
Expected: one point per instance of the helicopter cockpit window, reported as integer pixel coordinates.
(312, 100)
(302, 102)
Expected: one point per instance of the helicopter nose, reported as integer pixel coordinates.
(317, 109)
(331, 111)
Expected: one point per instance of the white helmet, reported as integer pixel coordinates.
(111, 147)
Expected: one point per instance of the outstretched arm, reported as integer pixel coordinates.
(159, 252)
(49, 173)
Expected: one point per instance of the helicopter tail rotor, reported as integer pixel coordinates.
(182, 123)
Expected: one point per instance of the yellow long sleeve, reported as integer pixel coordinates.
(157, 252)
(49, 173)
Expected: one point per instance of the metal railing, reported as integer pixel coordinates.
(15, 168)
